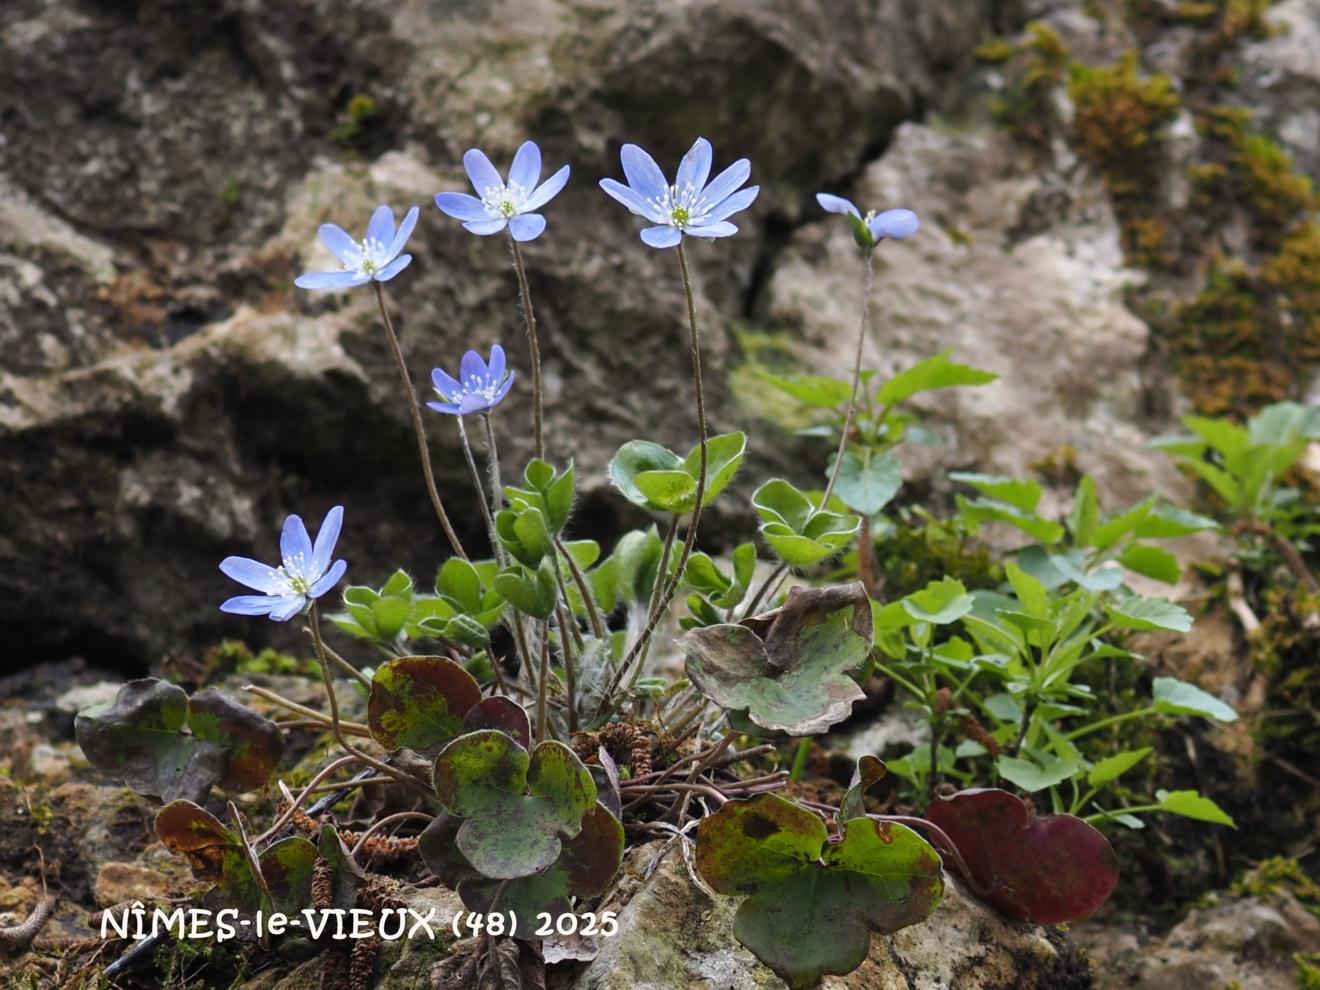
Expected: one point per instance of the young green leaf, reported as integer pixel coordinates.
(1112, 767)
(1142, 614)
(926, 376)
(1190, 804)
(1175, 697)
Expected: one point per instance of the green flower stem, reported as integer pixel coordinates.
(800, 759)
(856, 378)
(493, 464)
(529, 321)
(1136, 809)
(476, 482)
(352, 728)
(1105, 723)
(423, 451)
(584, 589)
(337, 730)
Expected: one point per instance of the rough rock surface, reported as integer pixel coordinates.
(165, 395)
(1247, 943)
(672, 936)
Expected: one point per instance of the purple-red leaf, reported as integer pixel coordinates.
(500, 713)
(1049, 870)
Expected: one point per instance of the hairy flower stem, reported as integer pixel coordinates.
(476, 483)
(423, 451)
(529, 320)
(542, 682)
(584, 589)
(306, 792)
(769, 583)
(336, 729)
(352, 728)
(694, 341)
(568, 634)
(856, 378)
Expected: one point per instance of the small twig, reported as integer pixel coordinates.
(402, 816)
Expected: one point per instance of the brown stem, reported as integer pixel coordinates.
(1285, 549)
(423, 451)
(584, 589)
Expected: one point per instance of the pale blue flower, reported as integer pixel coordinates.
(305, 572)
(375, 257)
(691, 205)
(499, 204)
(873, 228)
(479, 386)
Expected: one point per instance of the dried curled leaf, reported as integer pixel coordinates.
(1049, 870)
(812, 903)
(161, 743)
(793, 669)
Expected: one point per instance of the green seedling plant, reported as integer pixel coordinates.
(511, 711)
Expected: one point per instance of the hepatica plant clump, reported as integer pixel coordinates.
(514, 715)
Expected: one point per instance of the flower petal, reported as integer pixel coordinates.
(331, 578)
(720, 229)
(250, 604)
(289, 606)
(403, 233)
(381, 227)
(485, 227)
(471, 367)
(495, 366)
(662, 237)
(631, 199)
(481, 172)
(894, 223)
(473, 403)
(525, 172)
(446, 386)
(393, 268)
(546, 191)
(445, 407)
(643, 173)
(326, 537)
(724, 184)
(340, 244)
(694, 169)
(527, 226)
(837, 204)
(503, 390)
(330, 280)
(461, 206)
(254, 574)
(738, 201)
(295, 547)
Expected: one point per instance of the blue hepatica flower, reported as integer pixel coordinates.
(375, 257)
(873, 228)
(479, 385)
(499, 204)
(305, 572)
(691, 205)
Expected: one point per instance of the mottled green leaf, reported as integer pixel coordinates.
(792, 669)
(515, 806)
(419, 702)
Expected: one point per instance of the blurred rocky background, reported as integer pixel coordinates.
(1116, 218)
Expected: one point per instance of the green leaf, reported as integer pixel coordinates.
(388, 615)
(530, 592)
(287, 867)
(1112, 767)
(814, 904)
(638, 554)
(867, 484)
(1143, 614)
(458, 580)
(1032, 777)
(1168, 522)
(939, 603)
(419, 702)
(976, 512)
(798, 678)
(926, 376)
(1175, 697)
(1190, 804)
(657, 479)
(1153, 562)
(813, 390)
(1085, 514)
(869, 772)
(516, 807)
(1030, 592)
(798, 533)
(1023, 495)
